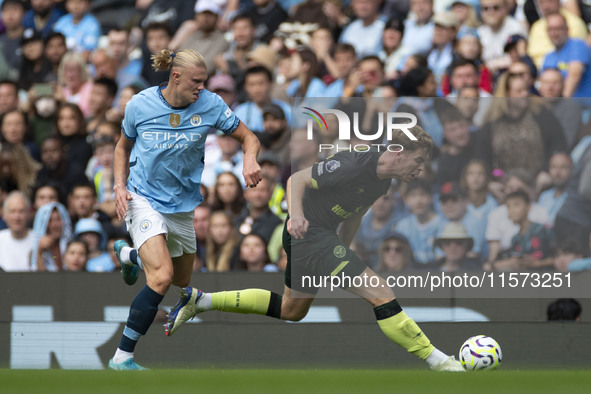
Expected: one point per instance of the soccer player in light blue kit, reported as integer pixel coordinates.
(162, 151)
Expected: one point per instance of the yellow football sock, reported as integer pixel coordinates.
(404, 331)
(242, 301)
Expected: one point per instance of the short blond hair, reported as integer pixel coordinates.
(167, 59)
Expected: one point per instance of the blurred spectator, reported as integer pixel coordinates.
(12, 13)
(567, 111)
(207, 39)
(559, 169)
(375, 225)
(574, 217)
(394, 253)
(500, 229)
(8, 96)
(253, 255)
(454, 207)
(468, 103)
(74, 81)
(17, 169)
(128, 69)
(76, 256)
(35, 67)
(106, 131)
(257, 217)
(82, 29)
(116, 113)
(444, 34)
(14, 129)
(497, 27)
(516, 49)
(539, 40)
(464, 12)
(224, 86)
(571, 56)
(271, 169)
(82, 205)
(327, 14)
(158, 36)
(103, 64)
(104, 151)
(171, 12)
(456, 244)
(228, 159)
(228, 195)
(365, 32)
(276, 135)
(42, 16)
(221, 241)
(457, 149)
(304, 152)
(564, 309)
(474, 181)
(533, 245)
(16, 242)
(393, 52)
(71, 129)
(258, 82)
(102, 97)
(267, 15)
(201, 226)
(57, 168)
(570, 256)
(517, 123)
(304, 75)
(44, 193)
(91, 232)
(322, 44)
(521, 70)
(423, 224)
(418, 35)
(55, 49)
(53, 230)
(462, 73)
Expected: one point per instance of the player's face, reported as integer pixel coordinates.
(410, 164)
(191, 81)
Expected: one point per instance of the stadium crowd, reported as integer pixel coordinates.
(502, 86)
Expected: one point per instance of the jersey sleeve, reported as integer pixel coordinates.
(128, 124)
(339, 169)
(226, 120)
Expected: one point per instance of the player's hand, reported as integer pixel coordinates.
(251, 171)
(122, 196)
(297, 226)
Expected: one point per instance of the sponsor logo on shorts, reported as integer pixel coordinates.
(332, 165)
(339, 251)
(145, 225)
(196, 120)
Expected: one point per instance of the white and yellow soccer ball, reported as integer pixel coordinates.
(480, 352)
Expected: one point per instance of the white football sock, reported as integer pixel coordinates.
(124, 255)
(204, 302)
(121, 356)
(437, 357)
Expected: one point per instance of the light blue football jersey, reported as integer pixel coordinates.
(167, 158)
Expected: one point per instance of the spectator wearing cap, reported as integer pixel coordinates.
(453, 204)
(12, 14)
(275, 136)
(375, 225)
(572, 56)
(394, 253)
(258, 83)
(540, 43)
(516, 48)
(365, 32)
(91, 232)
(262, 55)
(223, 86)
(35, 67)
(465, 13)
(393, 53)
(419, 29)
(456, 243)
(42, 16)
(444, 34)
(267, 16)
(207, 39)
(497, 26)
(81, 28)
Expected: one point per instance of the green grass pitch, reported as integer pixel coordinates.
(282, 381)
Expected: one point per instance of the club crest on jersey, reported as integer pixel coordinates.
(174, 120)
(332, 165)
(196, 120)
(339, 251)
(145, 225)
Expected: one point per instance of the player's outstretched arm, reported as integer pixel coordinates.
(250, 146)
(120, 173)
(296, 187)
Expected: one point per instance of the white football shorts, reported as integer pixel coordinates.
(144, 222)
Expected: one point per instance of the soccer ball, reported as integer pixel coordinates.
(480, 352)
